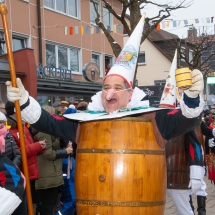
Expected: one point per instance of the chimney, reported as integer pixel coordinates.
(192, 34)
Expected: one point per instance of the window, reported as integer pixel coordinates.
(74, 59)
(68, 7)
(63, 57)
(183, 54)
(190, 55)
(108, 63)
(160, 82)
(93, 14)
(61, 6)
(72, 8)
(50, 55)
(96, 58)
(18, 42)
(142, 58)
(107, 17)
(108, 60)
(2, 44)
(124, 31)
(49, 3)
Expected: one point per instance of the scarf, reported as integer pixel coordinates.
(3, 133)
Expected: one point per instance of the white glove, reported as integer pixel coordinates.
(196, 177)
(197, 84)
(195, 185)
(211, 142)
(19, 93)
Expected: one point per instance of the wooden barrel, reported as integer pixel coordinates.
(178, 168)
(120, 169)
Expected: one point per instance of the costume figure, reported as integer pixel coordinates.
(210, 153)
(182, 152)
(117, 95)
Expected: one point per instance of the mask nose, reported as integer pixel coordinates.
(110, 94)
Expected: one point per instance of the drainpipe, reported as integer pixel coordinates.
(39, 32)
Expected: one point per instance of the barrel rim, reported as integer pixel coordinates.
(134, 119)
(122, 151)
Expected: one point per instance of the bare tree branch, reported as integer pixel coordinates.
(129, 22)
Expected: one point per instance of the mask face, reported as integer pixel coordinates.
(115, 96)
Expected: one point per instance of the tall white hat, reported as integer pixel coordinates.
(168, 98)
(125, 64)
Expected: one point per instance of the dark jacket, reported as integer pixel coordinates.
(12, 150)
(50, 162)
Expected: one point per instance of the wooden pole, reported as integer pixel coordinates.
(3, 11)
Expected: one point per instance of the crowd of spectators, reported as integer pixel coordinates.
(51, 161)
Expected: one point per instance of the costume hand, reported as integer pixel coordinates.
(195, 185)
(69, 150)
(19, 93)
(197, 84)
(43, 144)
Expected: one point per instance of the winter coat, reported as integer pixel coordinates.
(12, 150)
(32, 149)
(50, 162)
(11, 186)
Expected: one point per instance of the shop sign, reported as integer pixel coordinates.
(154, 94)
(153, 90)
(53, 72)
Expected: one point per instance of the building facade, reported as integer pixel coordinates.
(57, 39)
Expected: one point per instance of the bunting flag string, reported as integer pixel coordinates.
(118, 28)
(177, 23)
(91, 30)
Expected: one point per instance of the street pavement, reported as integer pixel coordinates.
(210, 201)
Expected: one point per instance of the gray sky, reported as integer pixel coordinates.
(200, 9)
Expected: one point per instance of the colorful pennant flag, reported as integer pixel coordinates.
(179, 22)
(70, 30)
(97, 29)
(197, 20)
(158, 27)
(191, 21)
(114, 28)
(87, 29)
(82, 30)
(92, 30)
(119, 27)
(167, 23)
(174, 24)
(76, 30)
(109, 28)
(65, 30)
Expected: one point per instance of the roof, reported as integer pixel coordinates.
(162, 41)
(161, 35)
